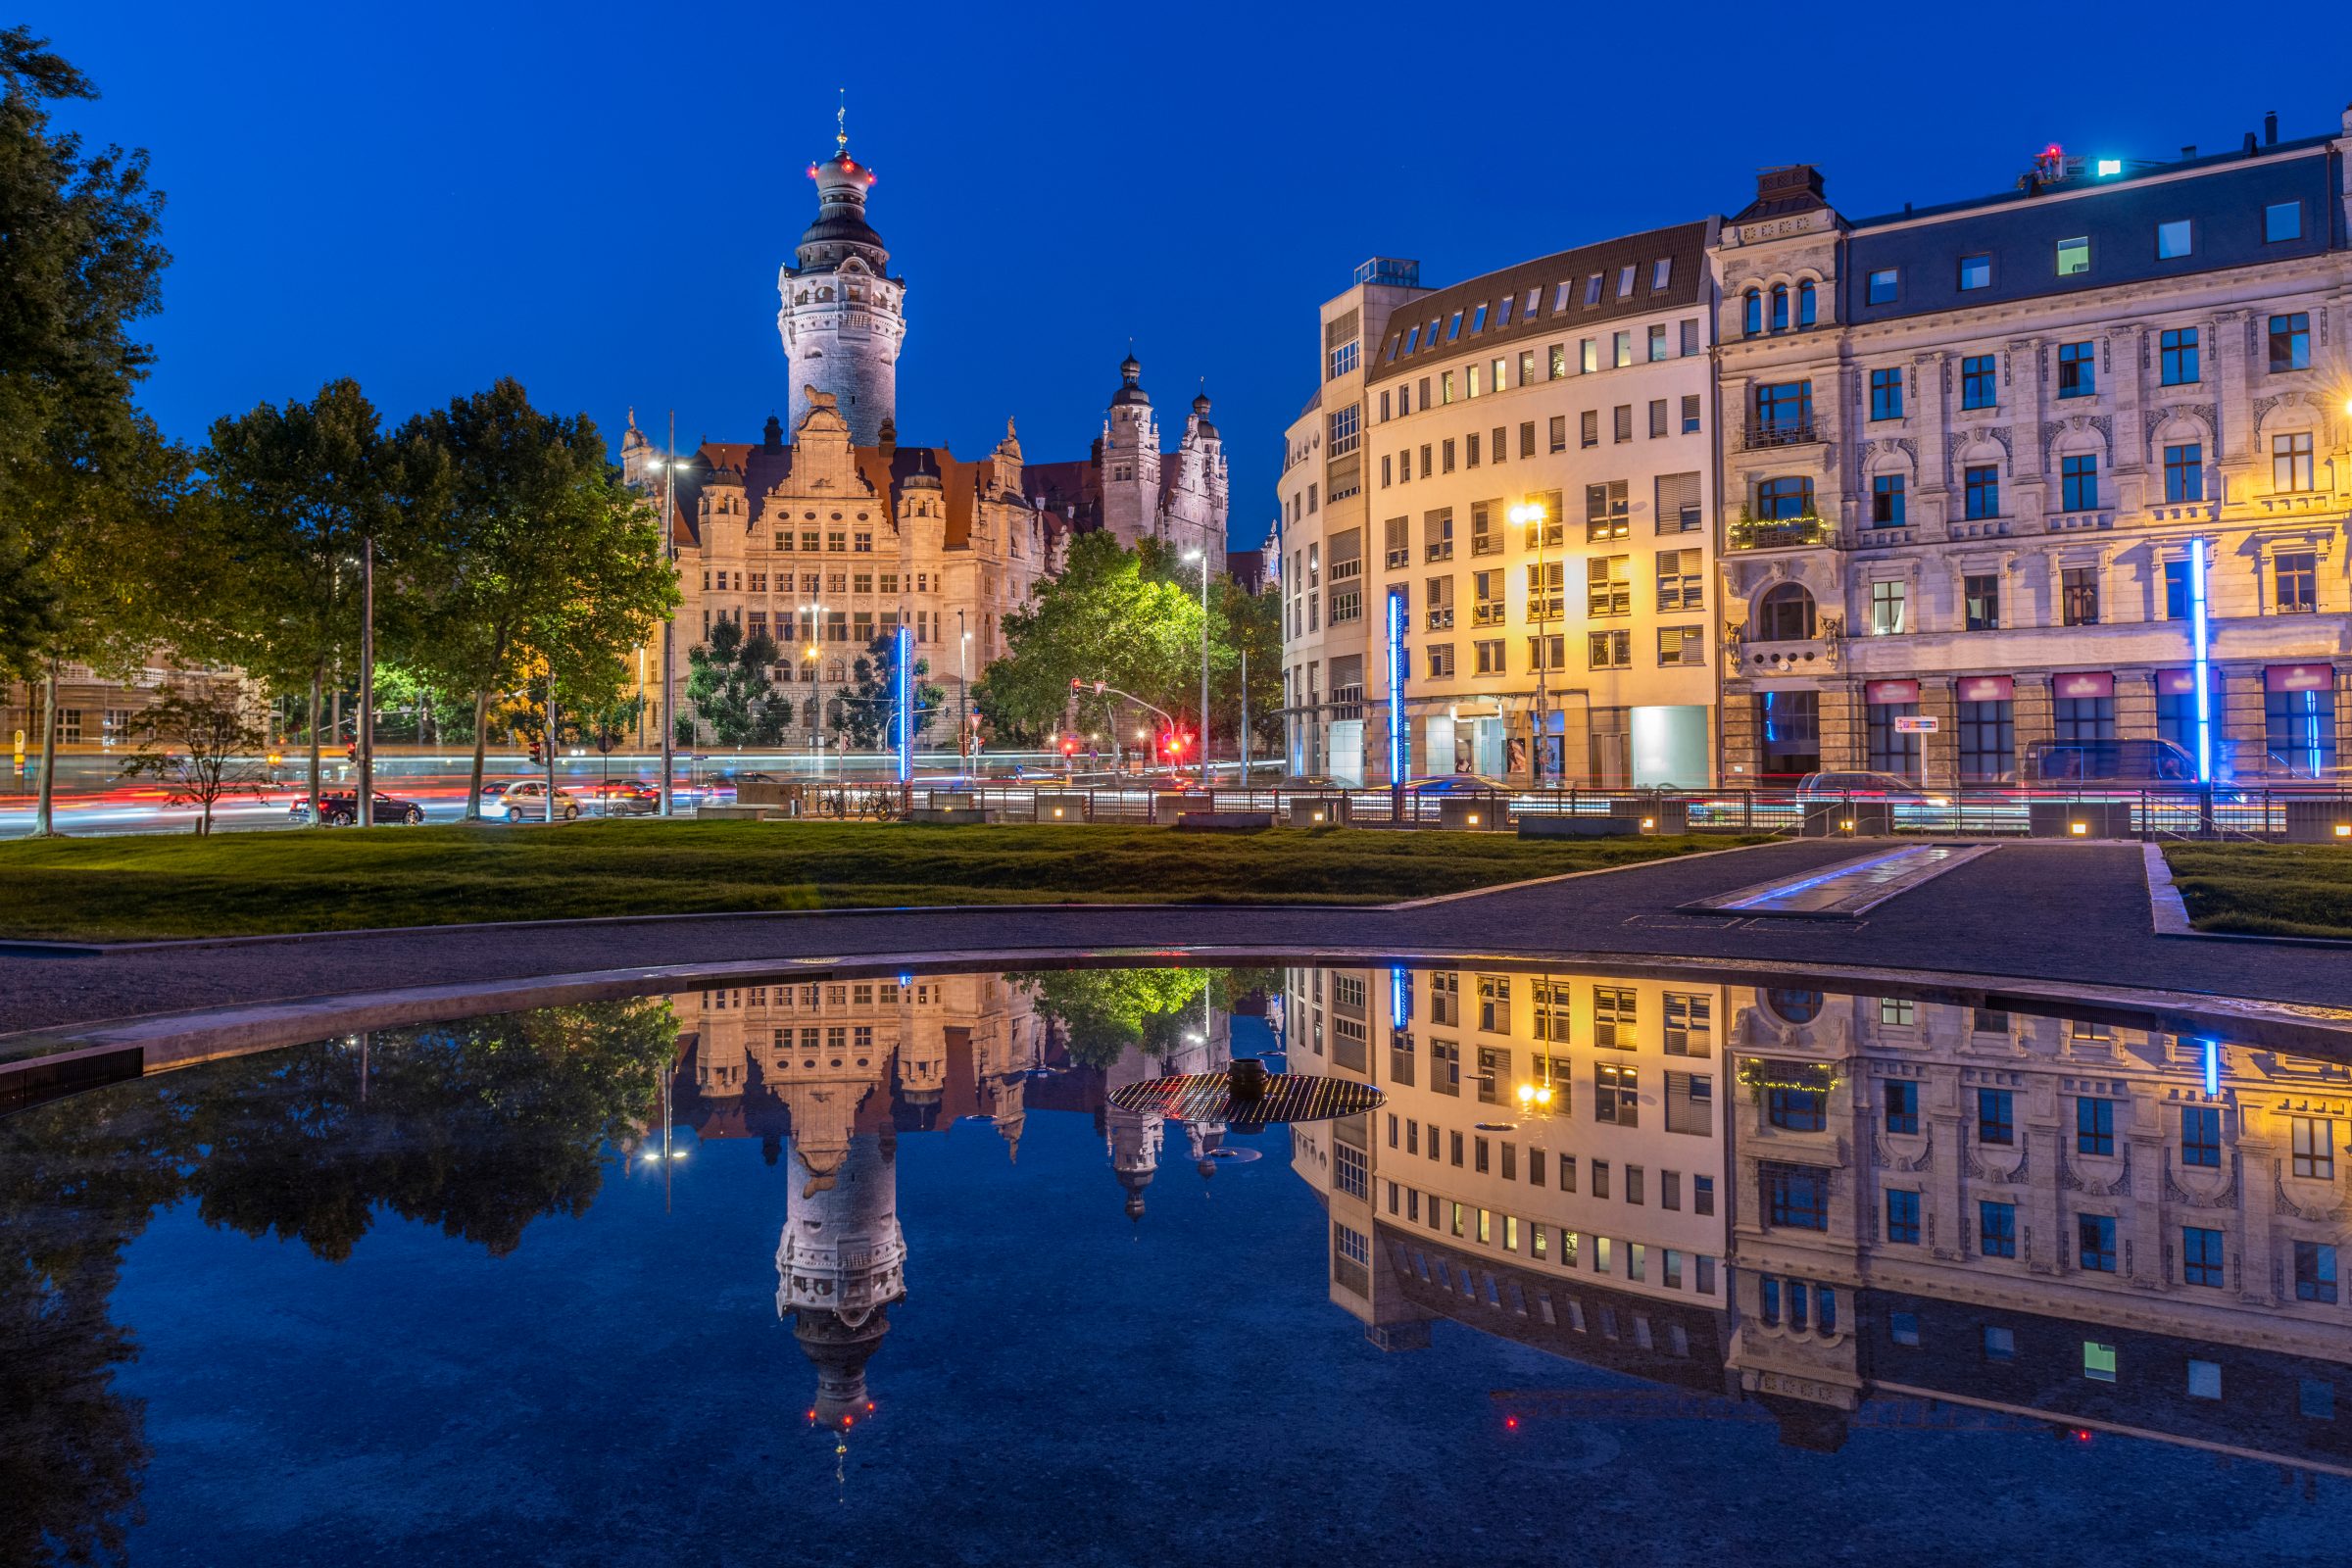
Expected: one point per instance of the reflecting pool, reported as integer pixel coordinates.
(875, 1271)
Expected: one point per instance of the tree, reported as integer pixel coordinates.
(868, 716)
(1127, 617)
(1253, 623)
(293, 495)
(204, 742)
(535, 558)
(727, 682)
(80, 469)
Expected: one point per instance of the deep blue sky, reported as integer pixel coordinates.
(595, 198)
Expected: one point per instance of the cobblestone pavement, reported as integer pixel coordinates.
(2056, 912)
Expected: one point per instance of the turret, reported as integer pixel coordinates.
(842, 317)
(838, 1265)
(1130, 473)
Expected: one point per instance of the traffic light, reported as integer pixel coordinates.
(536, 758)
(1069, 746)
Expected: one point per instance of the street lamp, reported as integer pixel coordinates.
(1202, 556)
(963, 694)
(670, 627)
(816, 730)
(1531, 516)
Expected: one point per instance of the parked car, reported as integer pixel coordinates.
(1865, 787)
(526, 801)
(341, 809)
(624, 798)
(2138, 762)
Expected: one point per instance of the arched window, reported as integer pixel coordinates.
(1795, 1006)
(1804, 304)
(1785, 615)
(1780, 306)
(1753, 322)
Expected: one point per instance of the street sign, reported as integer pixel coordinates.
(1915, 725)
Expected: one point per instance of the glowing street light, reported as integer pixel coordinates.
(1529, 515)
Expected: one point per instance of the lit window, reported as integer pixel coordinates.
(2074, 256)
(1976, 272)
(1884, 284)
(2172, 239)
(2282, 221)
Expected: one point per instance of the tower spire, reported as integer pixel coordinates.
(841, 124)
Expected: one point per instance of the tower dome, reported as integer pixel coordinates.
(843, 315)
(1201, 406)
(1131, 375)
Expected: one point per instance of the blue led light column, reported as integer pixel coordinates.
(2200, 675)
(2213, 1068)
(904, 681)
(1396, 737)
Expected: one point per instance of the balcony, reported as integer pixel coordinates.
(1778, 533)
(1780, 433)
(1486, 614)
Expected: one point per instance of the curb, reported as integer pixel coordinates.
(2170, 914)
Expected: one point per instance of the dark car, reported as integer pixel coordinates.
(623, 798)
(341, 809)
(2140, 763)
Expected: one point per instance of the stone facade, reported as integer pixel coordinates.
(1967, 453)
(829, 532)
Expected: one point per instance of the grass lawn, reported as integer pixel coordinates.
(238, 884)
(2272, 889)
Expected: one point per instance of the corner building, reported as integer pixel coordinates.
(1526, 460)
(1969, 451)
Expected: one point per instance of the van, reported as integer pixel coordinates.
(2141, 764)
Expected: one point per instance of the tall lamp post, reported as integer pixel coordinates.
(963, 695)
(366, 815)
(1531, 516)
(670, 624)
(1202, 556)
(816, 730)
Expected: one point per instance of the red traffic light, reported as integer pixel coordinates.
(1076, 684)
(1069, 746)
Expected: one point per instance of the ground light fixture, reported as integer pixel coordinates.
(2078, 829)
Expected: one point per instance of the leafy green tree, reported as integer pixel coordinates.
(536, 559)
(293, 497)
(728, 683)
(86, 480)
(204, 741)
(1128, 617)
(1105, 1012)
(1250, 622)
(868, 716)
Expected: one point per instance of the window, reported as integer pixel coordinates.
(2098, 1362)
(1785, 497)
(1797, 1196)
(2281, 221)
(1682, 580)
(1689, 414)
(1622, 346)
(2078, 482)
(1751, 312)
(2201, 1136)
(1557, 433)
(2294, 577)
(1993, 1117)
(2172, 240)
(2095, 1126)
(1785, 615)
(2185, 472)
(2315, 1400)
(1616, 1095)
(1900, 1012)
(1677, 510)
(2200, 1256)
(1441, 661)
(2314, 1147)
(2290, 461)
(1657, 343)
(1902, 1105)
(1659, 423)
(2291, 341)
(1887, 603)
(1621, 422)
(1997, 1228)
(1688, 1022)
(1883, 286)
(1487, 655)
(1588, 428)
(2074, 256)
(1886, 394)
(1588, 355)
(2177, 357)
(1976, 272)
(1903, 1218)
(1608, 585)
(1702, 1195)
(2000, 1344)
(1982, 492)
(1979, 381)
(2086, 718)
(1609, 650)
(1349, 1170)
(2095, 1243)
(1527, 441)
(2314, 1271)
(1607, 511)
(1780, 306)
(1797, 1106)
(2078, 370)
(1902, 1327)
(1784, 413)
(1981, 593)
(2078, 595)
(1804, 304)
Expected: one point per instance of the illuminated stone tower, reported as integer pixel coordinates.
(838, 1265)
(841, 316)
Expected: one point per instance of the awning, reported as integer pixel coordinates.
(2298, 678)
(1880, 692)
(1984, 688)
(2183, 682)
(2084, 683)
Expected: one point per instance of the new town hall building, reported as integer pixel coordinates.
(1909, 493)
(829, 531)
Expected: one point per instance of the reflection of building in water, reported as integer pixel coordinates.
(1134, 1137)
(838, 1265)
(1936, 1216)
(1547, 1165)
(2043, 1216)
(940, 1049)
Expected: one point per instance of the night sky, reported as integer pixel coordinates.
(596, 198)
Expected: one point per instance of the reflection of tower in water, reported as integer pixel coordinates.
(1133, 1136)
(838, 1265)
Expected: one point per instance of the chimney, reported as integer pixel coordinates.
(2269, 129)
(2248, 149)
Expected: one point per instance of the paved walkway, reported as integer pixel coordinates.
(2056, 912)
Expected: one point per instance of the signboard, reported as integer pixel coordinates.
(1915, 723)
